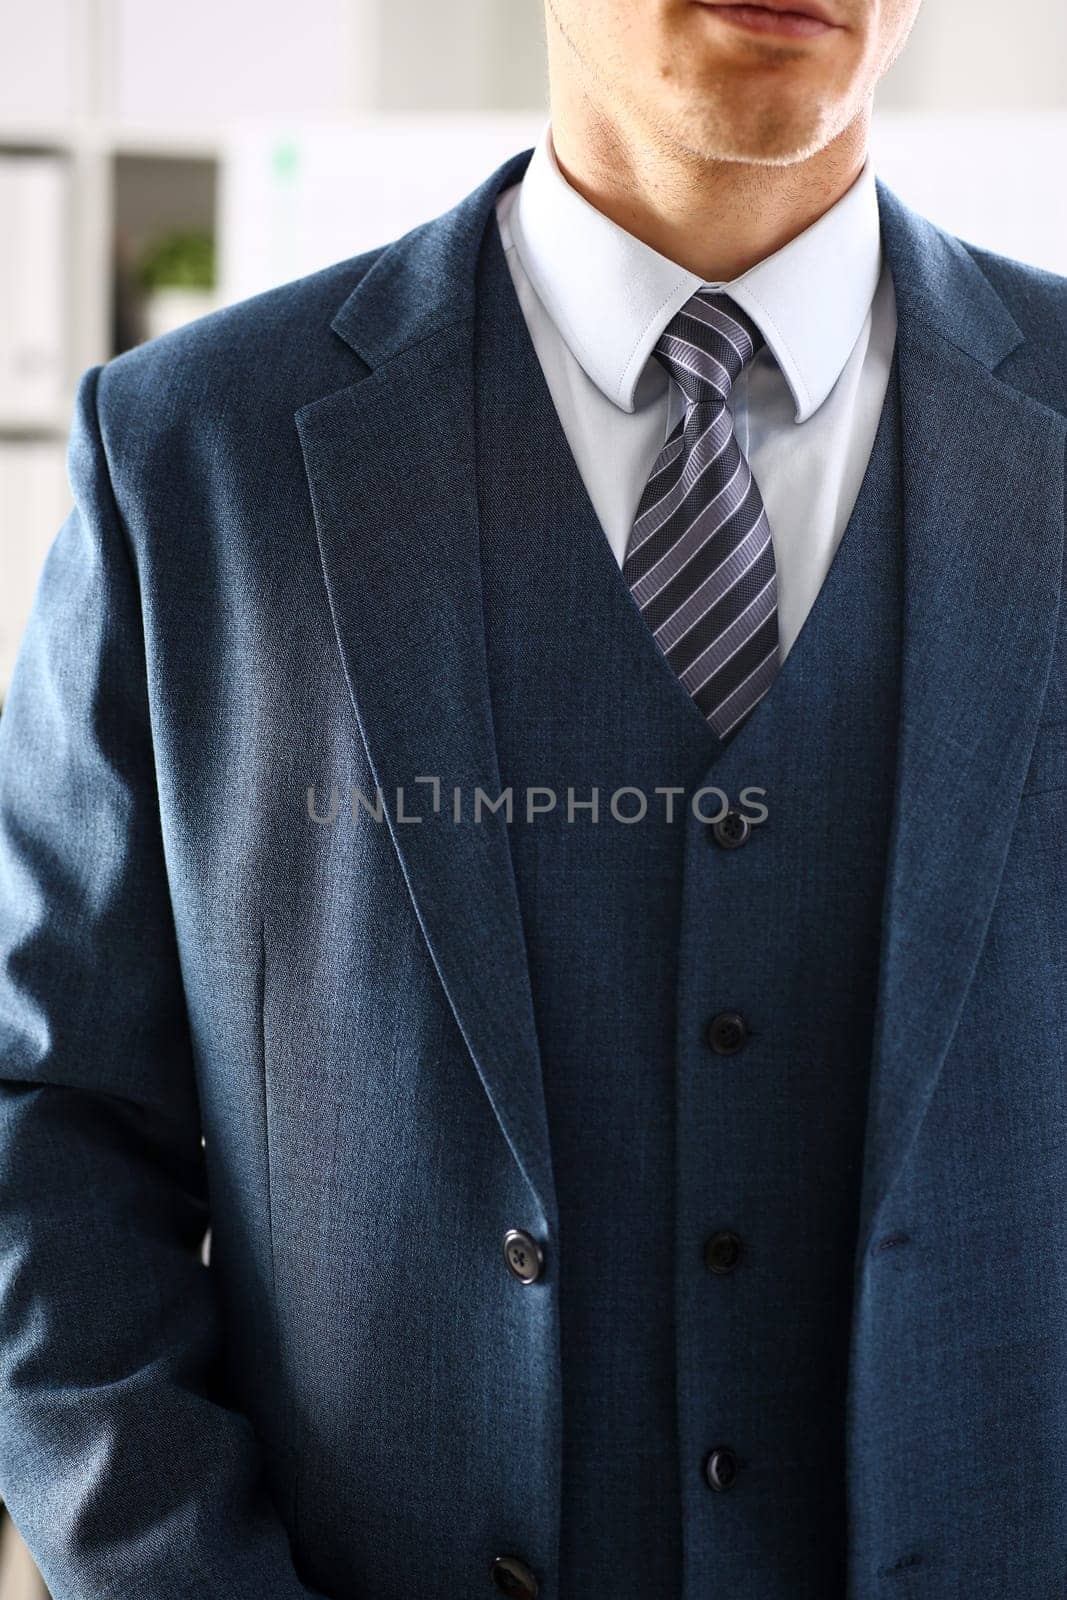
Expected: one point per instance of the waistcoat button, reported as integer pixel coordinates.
(722, 1252)
(731, 831)
(727, 1033)
(513, 1577)
(524, 1255)
(721, 1468)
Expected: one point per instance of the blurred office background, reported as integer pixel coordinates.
(158, 159)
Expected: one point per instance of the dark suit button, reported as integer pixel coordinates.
(727, 1033)
(721, 1468)
(524, 1255)
(513, 1577)
(731, 830)
(722, 1252)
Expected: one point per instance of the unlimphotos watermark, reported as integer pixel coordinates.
(627, 804)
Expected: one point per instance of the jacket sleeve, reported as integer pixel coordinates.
(120, 1460)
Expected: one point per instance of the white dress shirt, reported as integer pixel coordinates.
(805, 409)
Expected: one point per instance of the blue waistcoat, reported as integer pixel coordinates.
(638, 932)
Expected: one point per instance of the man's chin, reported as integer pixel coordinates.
(773, 140)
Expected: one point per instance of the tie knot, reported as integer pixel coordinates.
(705, 345)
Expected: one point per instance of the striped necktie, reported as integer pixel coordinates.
(700, 563)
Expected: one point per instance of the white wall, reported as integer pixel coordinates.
(461, 54)
(295, 199)
(39, 74)
(983, 55)
(991, 178)
(201, 61)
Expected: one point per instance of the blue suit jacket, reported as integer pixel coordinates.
(322, 1038)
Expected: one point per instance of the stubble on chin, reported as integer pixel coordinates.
(720, 125)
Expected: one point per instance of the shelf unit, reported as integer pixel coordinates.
(121, 181)
(138, 99)
(144, 98)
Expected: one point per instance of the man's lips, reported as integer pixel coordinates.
(772, 18)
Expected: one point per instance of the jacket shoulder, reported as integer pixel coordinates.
(1036, 297)
(278, 343)
(1037, 300)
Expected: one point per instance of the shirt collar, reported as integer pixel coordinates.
(610, 295)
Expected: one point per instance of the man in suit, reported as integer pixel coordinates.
(532, 800)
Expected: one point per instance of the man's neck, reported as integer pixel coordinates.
(715, 218)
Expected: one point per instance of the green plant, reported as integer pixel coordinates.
(182, 259)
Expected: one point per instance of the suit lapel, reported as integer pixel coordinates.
(982, 468)
(390, 463)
